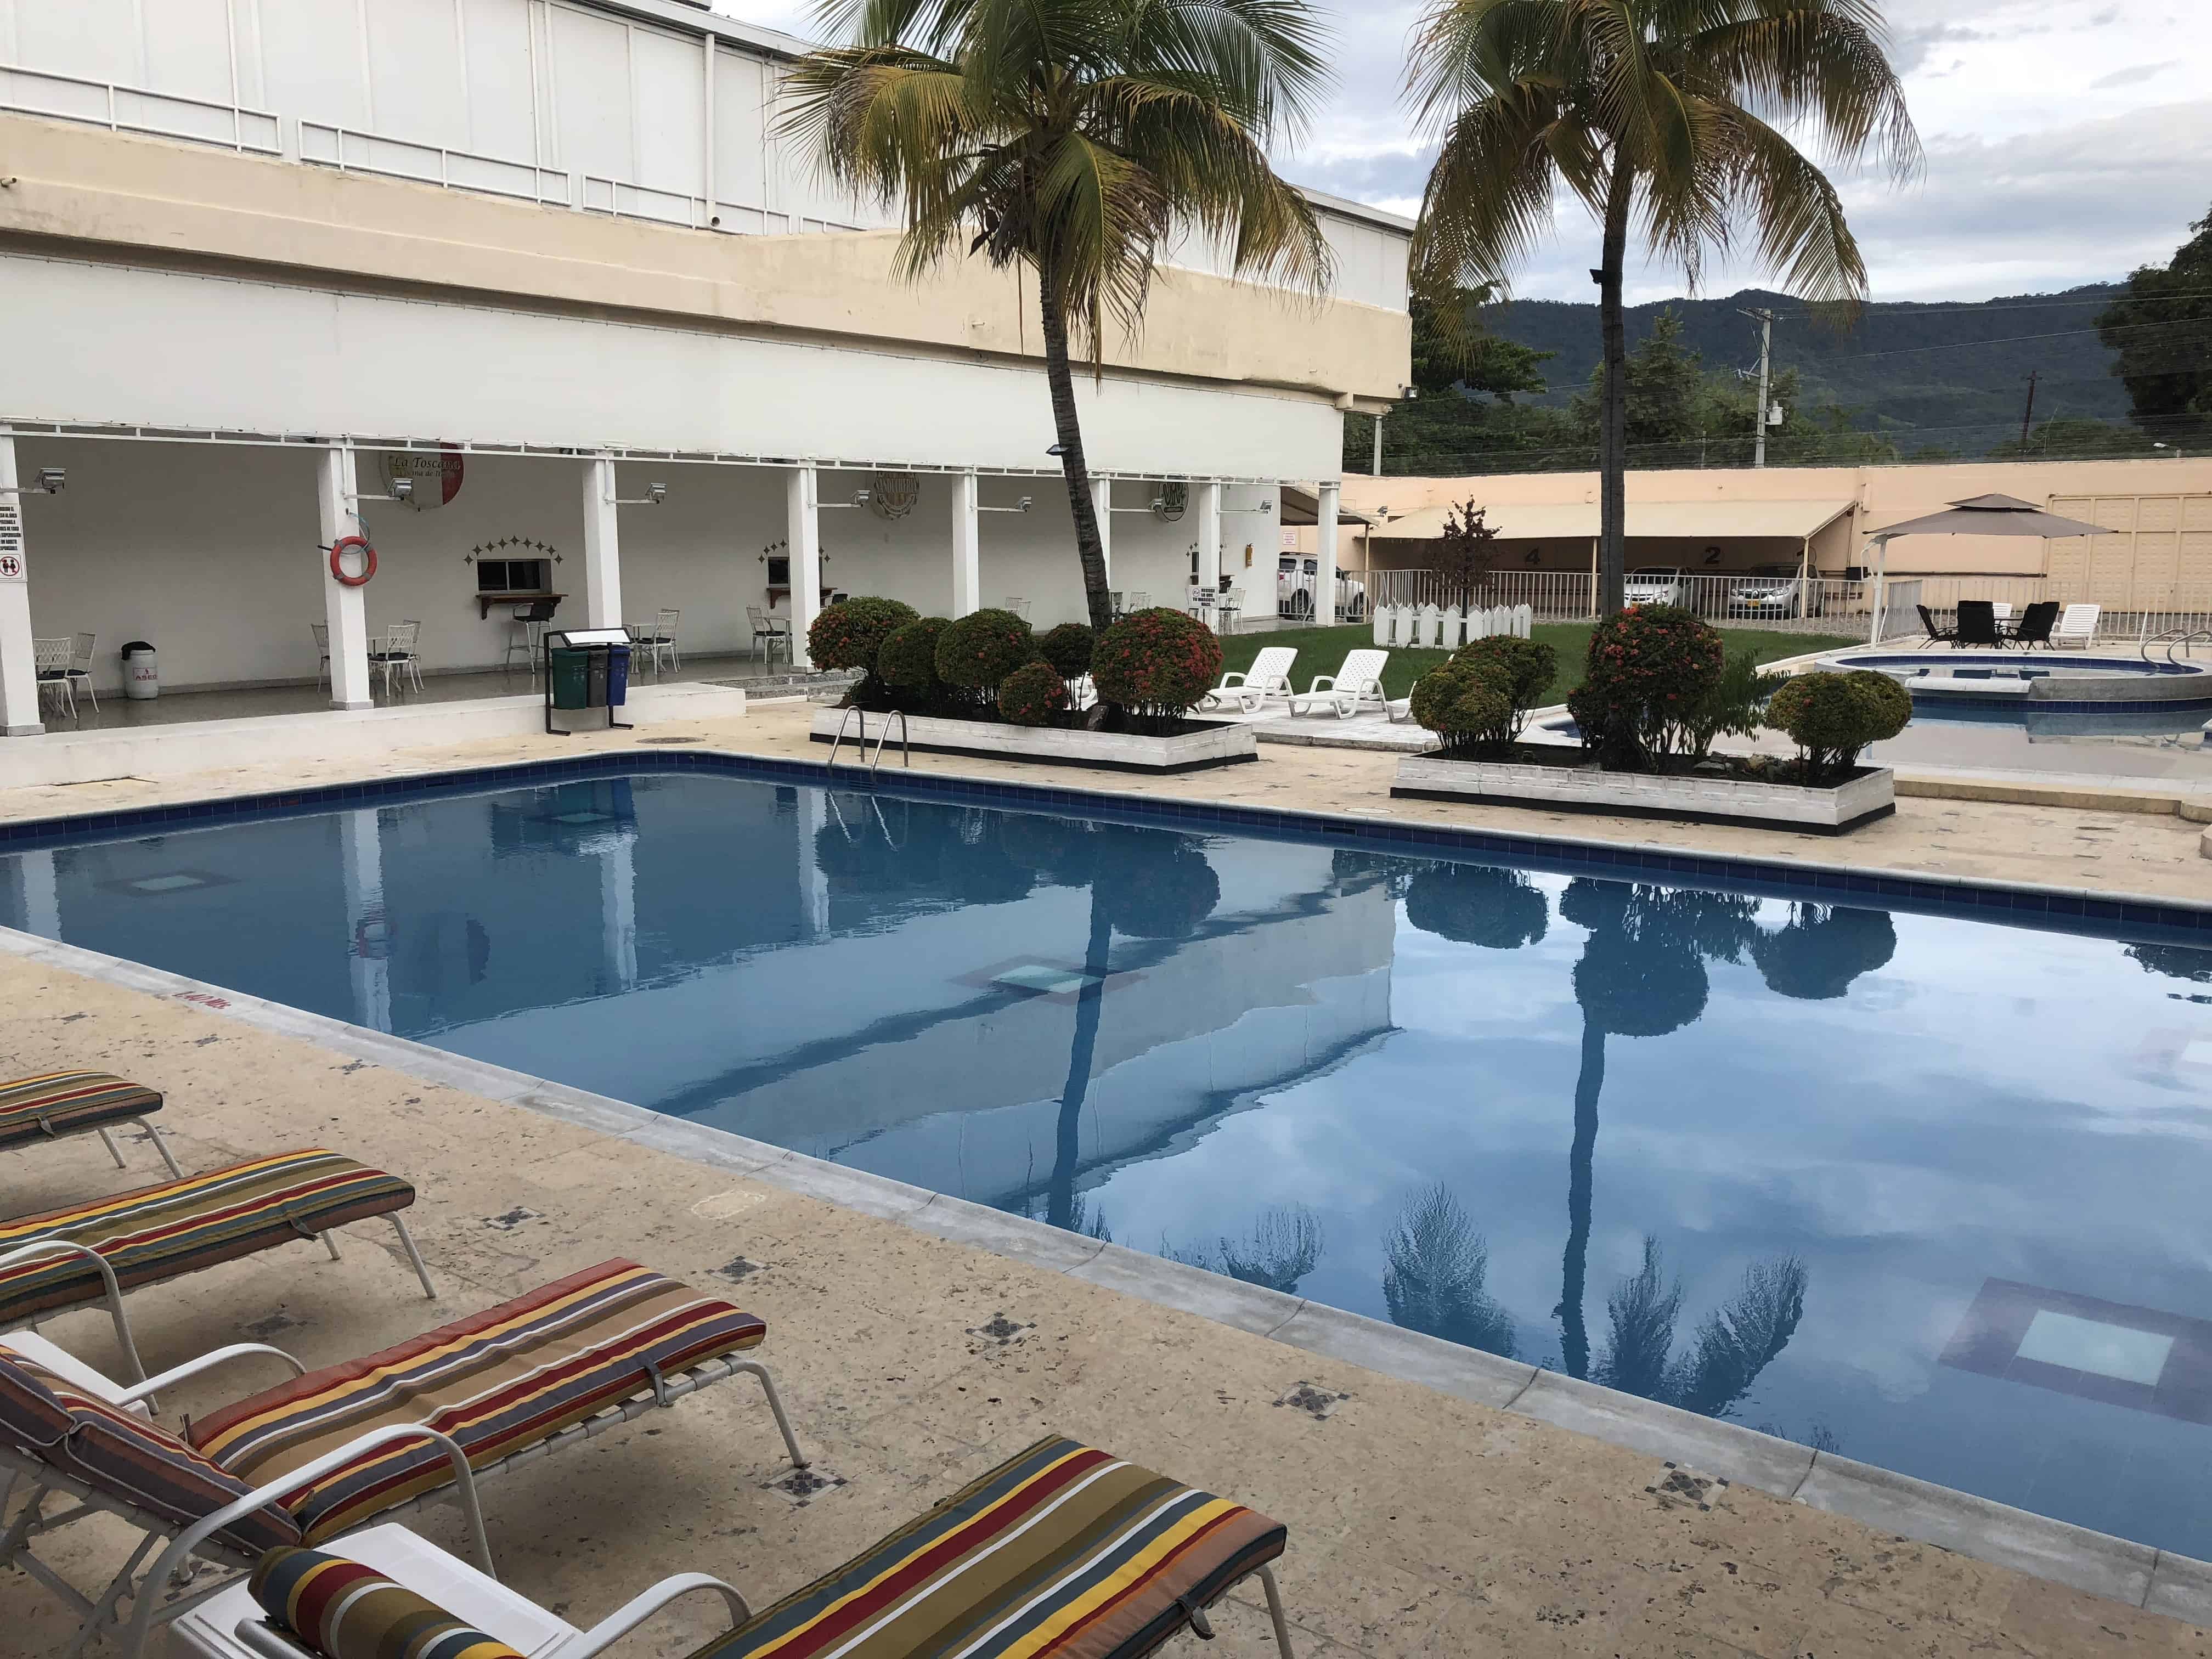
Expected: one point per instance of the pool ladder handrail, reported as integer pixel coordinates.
(2174, 638)
(906, 744)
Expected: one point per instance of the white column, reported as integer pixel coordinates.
(345, 610)
(1325, 540)
(967, 546)
(1102, 504)
(1209, 535)
(368, 928)
(19, 668)
(803, 513)
(602, 547)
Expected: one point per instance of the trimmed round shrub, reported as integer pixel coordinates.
(1832, 716)
(1157, 664)
(976, 653)
(907, 663)
(852, 634)
(1033, 694)
(1650, 671)
(1468, 704)
(1529, 665)
(1068, 648)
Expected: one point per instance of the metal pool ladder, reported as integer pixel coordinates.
(906, 747)
(2178, 639)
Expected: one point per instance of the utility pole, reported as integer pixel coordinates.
(1378, 446)
(1765, 318)
(2028, 413)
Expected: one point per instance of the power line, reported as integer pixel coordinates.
(1977, 307)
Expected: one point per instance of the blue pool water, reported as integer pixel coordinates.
(1929, 1190)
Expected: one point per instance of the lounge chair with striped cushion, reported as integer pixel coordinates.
(1063, 1551)
(91, 1252)
(326, 1452)
(54, 1105)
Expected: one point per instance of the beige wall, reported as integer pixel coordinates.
(139, 198)
(2162, 507)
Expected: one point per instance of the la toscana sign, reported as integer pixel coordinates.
(435, 474)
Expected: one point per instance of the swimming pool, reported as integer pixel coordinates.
(1922, 1188)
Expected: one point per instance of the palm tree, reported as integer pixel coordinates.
(1680, 115)
(1075, 138)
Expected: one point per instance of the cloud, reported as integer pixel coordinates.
(2130, 76)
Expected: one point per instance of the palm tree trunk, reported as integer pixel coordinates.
(1613, 431)
(1059, 1196)
(1060, 375)
(1574, 1335)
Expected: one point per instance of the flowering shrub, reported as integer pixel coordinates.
(1649, 669)
(1157, 664)
(1468, 704)
(1068, 648)
(850, 634)
(1033, 694)
(1834, 716)
(979, 650)
(908, 664)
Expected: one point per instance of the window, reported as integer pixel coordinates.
(515, 576)
(779, 570)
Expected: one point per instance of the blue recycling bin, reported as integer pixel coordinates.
(617, 676)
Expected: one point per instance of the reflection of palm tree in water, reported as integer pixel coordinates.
(1283, 1247)
(1436, 1278)
(1643, 974)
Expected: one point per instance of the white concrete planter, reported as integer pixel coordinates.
(1224, 744)
(1705, 799)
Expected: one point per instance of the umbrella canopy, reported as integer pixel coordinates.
(1991, 515)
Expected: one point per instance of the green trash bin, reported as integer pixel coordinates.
(571, 673)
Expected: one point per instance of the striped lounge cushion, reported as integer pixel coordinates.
(1064, 1551)
(67, 1103)
(496, 1382)
(180, 1226)
(125, 1455)
(344, 1610)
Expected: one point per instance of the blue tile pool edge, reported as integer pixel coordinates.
(2099, 1564)
(2063, 909)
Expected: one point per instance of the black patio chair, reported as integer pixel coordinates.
(1978, 625)
(1937, 634)
(2036, 624)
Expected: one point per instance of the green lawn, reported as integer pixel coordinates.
(1320, 650)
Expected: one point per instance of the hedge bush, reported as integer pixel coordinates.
(978, 651)
(1832, 716)
(1069, 649)
(851, 635)
(1033, 694)
(908, 664)
(1157, 664)
(1468, 704)
(1649, 669)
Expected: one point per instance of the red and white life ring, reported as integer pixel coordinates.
(340, 548)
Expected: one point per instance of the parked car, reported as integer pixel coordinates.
(1296, 578)
(1772, 590)
(1656, 584)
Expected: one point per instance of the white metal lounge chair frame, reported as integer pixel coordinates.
(111, 1288)
(1249, 689)
(198, 1537)
(1349, 689)
(108, 1140)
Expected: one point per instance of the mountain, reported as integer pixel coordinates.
(1954, 374)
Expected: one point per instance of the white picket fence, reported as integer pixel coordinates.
(1447, 628)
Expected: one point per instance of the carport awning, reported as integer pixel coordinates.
(1578, 520)
(1302, 506)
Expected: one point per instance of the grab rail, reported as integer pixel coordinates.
(2175, 638)
(882, 738)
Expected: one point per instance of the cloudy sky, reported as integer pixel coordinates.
(2068, 141)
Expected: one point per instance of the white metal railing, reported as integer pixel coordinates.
(122, 108)
(351, 150)
(621, 200)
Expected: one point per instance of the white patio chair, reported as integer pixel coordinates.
(396, 655)
(2077, 625)
(81, 667)
(52, 660)
(322, 633)
(1019, 607)
(769, 632)
(1357, 685)
(658, 642)
(1269, 676)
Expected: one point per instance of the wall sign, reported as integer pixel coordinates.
(435, 474)
(11, 543)
(894, 495)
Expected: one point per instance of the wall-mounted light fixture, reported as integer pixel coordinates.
(1027, 503)
(50, 480)
(402, 489)
(655, 494)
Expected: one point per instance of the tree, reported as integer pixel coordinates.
(1468, 378)
(1465, 549)
(1075, 138)
(2161, 328)
(1663, 392)
(1678, 115)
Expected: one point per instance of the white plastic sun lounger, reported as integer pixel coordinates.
(1269, 676)
(1357, 685)
(2077, 625)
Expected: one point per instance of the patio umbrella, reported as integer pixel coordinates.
(1977, 515)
